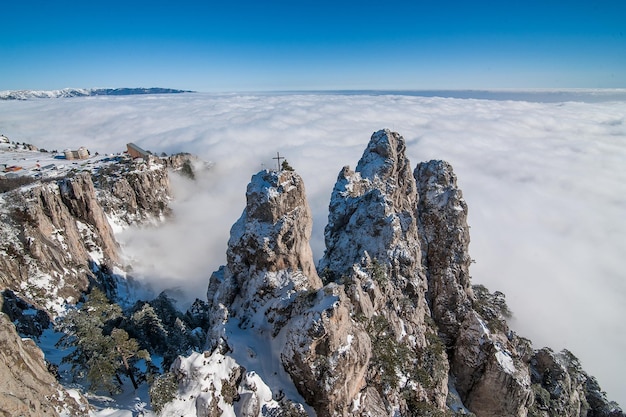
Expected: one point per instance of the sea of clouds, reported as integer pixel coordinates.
(545, 183)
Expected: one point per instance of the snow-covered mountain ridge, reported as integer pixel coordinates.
(388, 324)
(84, 92)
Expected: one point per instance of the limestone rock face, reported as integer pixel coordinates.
(131, 196)
(270, 288)
(26, 386)
(562, 388)
(325, 353)
(373, 248)
(52, 233)
(444, 238)
(268, 251)
(269, 272)
(55, 235)
(79, 196)
(372, 242)
(372, 214)
(393, 327)
(488, 361)
(491, 375)
(274, 231)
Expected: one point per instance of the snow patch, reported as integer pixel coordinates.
(206, 377)
(505, 360)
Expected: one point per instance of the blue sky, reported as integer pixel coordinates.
(291, 45)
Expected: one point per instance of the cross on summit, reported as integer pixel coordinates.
(278, 158)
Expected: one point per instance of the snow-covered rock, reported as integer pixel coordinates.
(270, 265)
(26, 387)
(58, 233)
(444, 238)
(216, 385)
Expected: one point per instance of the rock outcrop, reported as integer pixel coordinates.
(56, 239)
(488, 366)
(444, 238)
(57, 235)
(268, 252)
(270, 288)
(561, 388)
(51, 233)
(387, 325)
(373, 248)
(129, 195)
(26, 387)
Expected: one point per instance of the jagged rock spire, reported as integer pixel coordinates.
(274, 230)
(397, 328)
(444, 238)
(372, 212)
(268, 250)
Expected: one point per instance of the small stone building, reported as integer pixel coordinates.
(136, 152)
(80, 153)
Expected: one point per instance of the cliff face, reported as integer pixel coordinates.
(56, 239)
(26, 386)
(373, 249)
(393, 327)
(56, 235)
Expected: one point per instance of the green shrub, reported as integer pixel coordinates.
(378, 272)
(162, 391)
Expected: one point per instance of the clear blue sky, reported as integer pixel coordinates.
(236, 45)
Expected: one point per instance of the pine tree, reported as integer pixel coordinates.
(286, 166)
(101, 350)
(126, 349)
(150, 329)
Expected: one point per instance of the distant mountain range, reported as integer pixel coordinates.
(84, 92)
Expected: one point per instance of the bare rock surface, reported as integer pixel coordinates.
(444, 238)
(26, 386)
(387, 325)
(57, 234)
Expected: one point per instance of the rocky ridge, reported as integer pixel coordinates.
(393, 327)
(57, 235)
(83, 92)
(57, 240)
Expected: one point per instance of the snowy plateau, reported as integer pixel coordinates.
(388, 323)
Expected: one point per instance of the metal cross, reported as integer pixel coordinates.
(278, 158)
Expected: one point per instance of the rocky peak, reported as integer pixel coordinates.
(373, 249)
(57, 234)
(26, 387)
(268, 250)
(274, 230)
(444, 239)
(372, 214)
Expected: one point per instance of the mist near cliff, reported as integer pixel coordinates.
(545, 184)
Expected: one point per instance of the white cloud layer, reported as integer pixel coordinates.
(545, 184)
